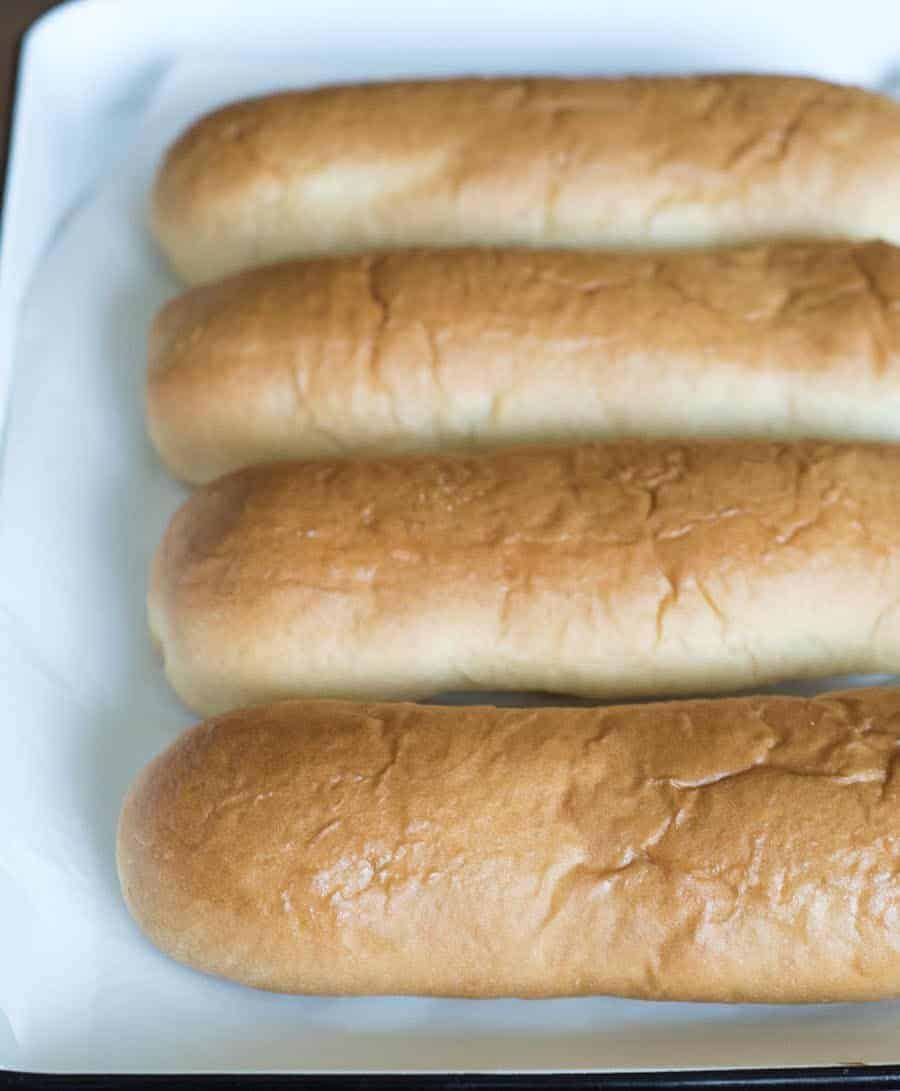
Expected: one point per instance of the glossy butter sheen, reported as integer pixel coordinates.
(597, 569)
(734, 850)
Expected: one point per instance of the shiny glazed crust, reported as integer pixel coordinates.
(733, 850)
(418, 351)
(598, 569)
(528, 162)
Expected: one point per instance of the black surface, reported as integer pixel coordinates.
(15, 17)
(819, 1078)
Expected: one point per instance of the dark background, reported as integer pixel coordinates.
(15, 18)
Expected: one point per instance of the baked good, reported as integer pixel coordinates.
(417, 351)
(736, 850)
(670, 161)
(603, 570)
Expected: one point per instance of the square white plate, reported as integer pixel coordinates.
(83, 502)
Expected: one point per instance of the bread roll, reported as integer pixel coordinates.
(734, 850)
(415, 351)
(528, 162)
(601, 570)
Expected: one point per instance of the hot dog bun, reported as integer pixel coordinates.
(605, 570)
(733, 850)
(700, 161)
(418, 351)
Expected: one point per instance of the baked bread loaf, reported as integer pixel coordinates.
(735, 850)
(415, 351)
(528, 162)
(604, 570)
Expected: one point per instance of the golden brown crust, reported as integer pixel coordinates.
(733, 850)
(553, 162)
(598, 569)
(421, 350)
